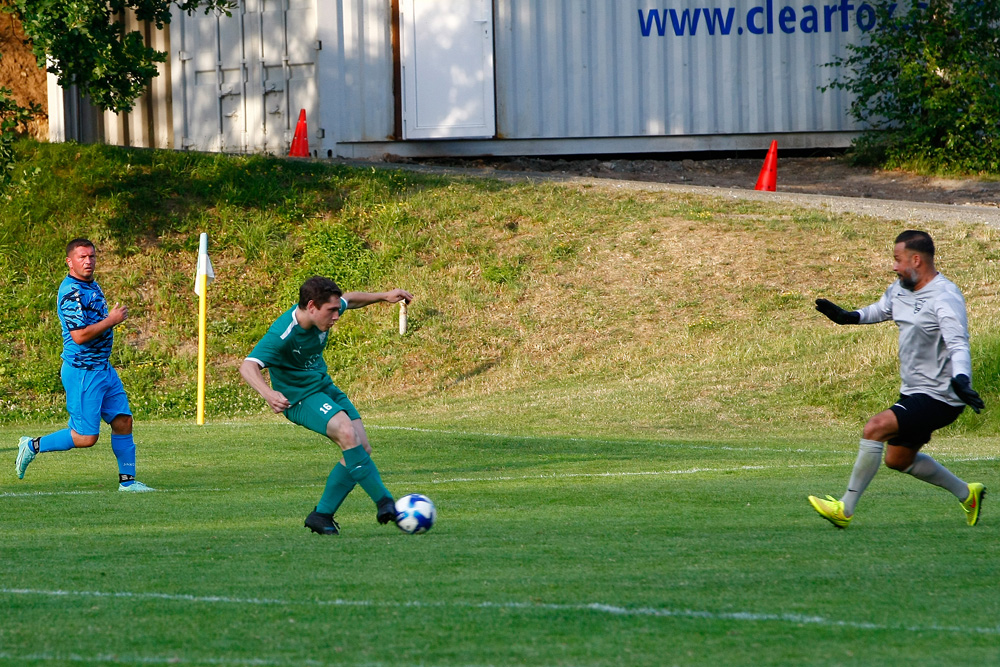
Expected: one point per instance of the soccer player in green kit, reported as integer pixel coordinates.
(301, 388)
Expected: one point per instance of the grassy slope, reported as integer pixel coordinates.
(572, 310)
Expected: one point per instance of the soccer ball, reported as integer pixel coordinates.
(415, 514)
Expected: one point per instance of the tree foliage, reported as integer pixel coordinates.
(926, 83)
(84, 42)
(13, 119)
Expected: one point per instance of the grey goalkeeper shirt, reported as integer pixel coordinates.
(933, 336)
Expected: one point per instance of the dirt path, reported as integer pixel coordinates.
(823, 182)
(19, 71)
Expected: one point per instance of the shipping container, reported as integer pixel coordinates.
(492, 77)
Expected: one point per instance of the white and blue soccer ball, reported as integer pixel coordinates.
(415, 514)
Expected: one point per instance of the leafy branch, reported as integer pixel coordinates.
(926, 83)
(84, 42)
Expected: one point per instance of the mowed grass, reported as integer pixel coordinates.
(548, 550)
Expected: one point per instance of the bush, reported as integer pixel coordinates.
(13, 121)
(926, 84)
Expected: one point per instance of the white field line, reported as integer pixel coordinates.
(508, 436)
(508, 478)
(657, 473)
(125, 659)
(459, 480)
(665, 445)
(592, 608)
(669, 445)
(648, 473)
(33, 494)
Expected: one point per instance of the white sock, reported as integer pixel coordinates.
(932, 472)
(865, 466)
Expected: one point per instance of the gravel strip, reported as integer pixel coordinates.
(907, 211)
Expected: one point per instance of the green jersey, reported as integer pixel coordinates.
(294, 356)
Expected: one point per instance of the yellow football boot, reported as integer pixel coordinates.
(974, 503)
(832, 510)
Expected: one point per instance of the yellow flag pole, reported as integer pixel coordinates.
(202, 316)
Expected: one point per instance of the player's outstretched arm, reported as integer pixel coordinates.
(836, 313)
(362, 299)
(962, 385)
(251, 374)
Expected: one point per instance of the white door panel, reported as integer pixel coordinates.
(447, 61)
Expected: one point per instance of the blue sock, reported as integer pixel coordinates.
(60, 441)
(124, 448)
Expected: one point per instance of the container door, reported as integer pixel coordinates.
(243, 78)
(287, 72)
(447, 61)
(213, 83)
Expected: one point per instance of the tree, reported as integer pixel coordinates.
(926, 83)
(13, 119)
(84, 42)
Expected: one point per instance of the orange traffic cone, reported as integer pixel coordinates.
(300, 142)
(768, 179)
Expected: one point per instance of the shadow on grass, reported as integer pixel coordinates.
(138, 195)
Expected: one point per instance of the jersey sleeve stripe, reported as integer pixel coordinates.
(287, 331)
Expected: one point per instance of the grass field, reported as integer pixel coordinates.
(618, 399)
(548, 550)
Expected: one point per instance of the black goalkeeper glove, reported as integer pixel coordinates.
(963, 387)
(836, 313)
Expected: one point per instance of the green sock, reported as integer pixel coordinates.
(363, 471)
(338, 485)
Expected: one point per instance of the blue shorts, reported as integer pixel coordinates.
(92, 396)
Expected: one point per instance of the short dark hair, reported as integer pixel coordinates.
(917, 241)
(78, 243)
(319, 290)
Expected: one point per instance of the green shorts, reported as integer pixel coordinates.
(316, 410)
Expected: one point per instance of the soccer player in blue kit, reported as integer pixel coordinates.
(301, 389)
(93, 389)
(936, 368)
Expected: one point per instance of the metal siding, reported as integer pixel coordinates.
(571, 75)
(376, 70)
(331, 114)
(366, 59)
(601, 79)
(580, 68)
(74, 118)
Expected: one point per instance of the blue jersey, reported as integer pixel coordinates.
(80, 305)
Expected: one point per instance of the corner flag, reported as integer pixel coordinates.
(204, 275)
(204, 265)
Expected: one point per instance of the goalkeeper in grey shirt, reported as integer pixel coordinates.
(936, 369)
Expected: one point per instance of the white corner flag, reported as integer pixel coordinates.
(202, 278)
(204, 265)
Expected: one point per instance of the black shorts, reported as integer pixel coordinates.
(919, 415)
